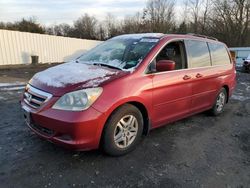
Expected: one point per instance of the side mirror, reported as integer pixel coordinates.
(243, 59)
(165, 65)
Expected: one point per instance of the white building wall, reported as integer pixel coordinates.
(17, 47)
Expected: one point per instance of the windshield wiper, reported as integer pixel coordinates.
(107, 65)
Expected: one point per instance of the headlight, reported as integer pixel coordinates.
(78, 100)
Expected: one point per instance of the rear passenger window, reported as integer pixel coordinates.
(219, 54)
(198, 53)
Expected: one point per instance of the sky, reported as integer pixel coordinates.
(49, 12)
(65, 11)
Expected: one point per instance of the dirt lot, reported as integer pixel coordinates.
(200, 151)
(20, 73)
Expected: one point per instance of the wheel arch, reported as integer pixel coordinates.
(227, 90)
(140, 106)
(145, 115)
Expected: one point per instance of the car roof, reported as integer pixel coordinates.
(171, 36)
(192, 36)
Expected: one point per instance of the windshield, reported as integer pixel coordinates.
(119, 53)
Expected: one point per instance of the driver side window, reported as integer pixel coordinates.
(174, 53)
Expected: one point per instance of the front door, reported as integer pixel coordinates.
(172, 90)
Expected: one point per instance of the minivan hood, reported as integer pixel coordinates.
(72, 76)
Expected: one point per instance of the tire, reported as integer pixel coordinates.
(243, 69)
(219, 103)
(123, 130)
(248, 69)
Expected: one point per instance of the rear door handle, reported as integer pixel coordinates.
(186, 77)
(199, 75)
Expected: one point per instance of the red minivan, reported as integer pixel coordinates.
(117, 92)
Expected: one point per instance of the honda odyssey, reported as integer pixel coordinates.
(120, 90)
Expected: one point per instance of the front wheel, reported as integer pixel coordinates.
(220, 102)
(122, 131)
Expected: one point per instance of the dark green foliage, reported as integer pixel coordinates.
(29, 25)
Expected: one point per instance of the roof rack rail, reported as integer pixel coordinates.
(203, 36)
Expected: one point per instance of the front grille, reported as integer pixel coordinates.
(35, 98)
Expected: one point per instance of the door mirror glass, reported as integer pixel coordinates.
(165, 65)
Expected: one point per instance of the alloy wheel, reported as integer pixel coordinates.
(125, 131)
(220, 102)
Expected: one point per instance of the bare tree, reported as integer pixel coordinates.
(133, 24)
(101, 33)
(112, 26)
(159, 14)
(227, 20)
(194, 6)
(85, 27)
(207, 5)
(199, 13)
(59, 30)
(231, 21)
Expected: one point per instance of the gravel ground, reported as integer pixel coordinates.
(200, 151)
(20, 73)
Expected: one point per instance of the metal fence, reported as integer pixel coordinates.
(18, 47)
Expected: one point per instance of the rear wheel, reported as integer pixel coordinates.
(220, 102)
(243, 69)
(122, 131)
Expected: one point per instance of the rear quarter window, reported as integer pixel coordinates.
(219, 54)
(198, 53)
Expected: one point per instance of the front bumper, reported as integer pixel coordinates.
(73, 130)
